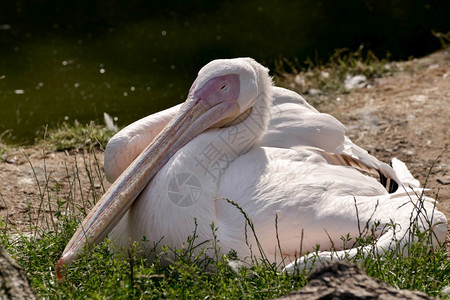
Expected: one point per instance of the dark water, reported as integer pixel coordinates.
(75, 60)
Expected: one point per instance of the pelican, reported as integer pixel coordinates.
(240, 144)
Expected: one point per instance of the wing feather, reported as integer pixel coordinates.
(295, 123)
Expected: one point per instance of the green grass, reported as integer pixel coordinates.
(443, 37)
(330, 76)
(99, 274)
(77, 136)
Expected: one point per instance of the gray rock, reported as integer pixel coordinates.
(14, 283)
(343, 280)
(354, 82)
(444, 180)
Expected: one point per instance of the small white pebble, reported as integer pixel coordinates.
(314, 92)
(325, 74)
(299, 80)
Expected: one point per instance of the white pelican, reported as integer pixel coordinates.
(265, 148)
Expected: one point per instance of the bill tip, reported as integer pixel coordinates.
(59, 268)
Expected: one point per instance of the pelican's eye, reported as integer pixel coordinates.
(224, 86)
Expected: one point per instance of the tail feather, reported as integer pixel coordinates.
(404, 175)
(391, 177)
(387, 175)
(390, 184)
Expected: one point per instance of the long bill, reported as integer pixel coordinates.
(194, 117)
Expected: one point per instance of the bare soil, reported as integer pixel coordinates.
(406, 115)
(34, 180)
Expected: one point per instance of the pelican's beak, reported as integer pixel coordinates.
(194, 117)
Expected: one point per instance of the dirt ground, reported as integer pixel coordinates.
(406, 116)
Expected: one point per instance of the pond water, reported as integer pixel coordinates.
(50, 79)
(66, 62)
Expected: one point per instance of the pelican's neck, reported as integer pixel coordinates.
(247, 130)
(258, 119)
(214, 150)
(239, 119)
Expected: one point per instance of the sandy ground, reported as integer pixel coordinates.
(406, 116)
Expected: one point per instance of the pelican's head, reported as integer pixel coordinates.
(223, 93)
(240, 80)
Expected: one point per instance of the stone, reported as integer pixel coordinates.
(344, 280)
(14, 283)
(444, 180)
